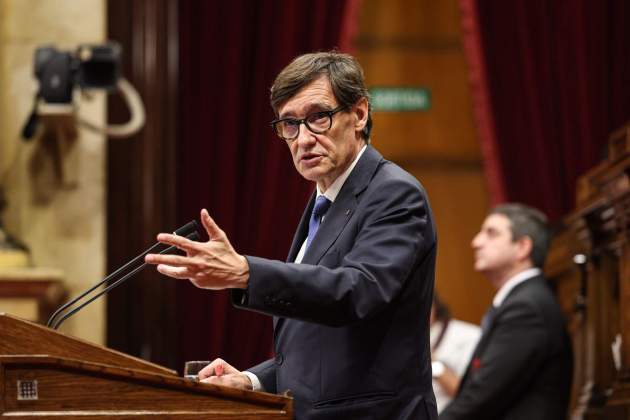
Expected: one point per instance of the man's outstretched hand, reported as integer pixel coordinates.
(209, 265)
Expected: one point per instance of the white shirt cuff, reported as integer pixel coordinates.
(256, 385)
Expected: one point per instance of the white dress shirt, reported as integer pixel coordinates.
(331, 193)
(512, 283)
(454, 350)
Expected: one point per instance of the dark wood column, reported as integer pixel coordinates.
(141, 178)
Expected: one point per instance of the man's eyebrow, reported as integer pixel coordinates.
(309, 109)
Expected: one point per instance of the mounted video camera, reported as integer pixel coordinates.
(89, 67)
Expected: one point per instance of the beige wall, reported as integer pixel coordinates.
(62, 223)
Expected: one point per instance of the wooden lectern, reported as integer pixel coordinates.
(48, 375)
(589, 263)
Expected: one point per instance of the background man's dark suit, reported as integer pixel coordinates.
(348, 335)
(522, 366)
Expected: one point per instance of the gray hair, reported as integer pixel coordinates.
(528, 222)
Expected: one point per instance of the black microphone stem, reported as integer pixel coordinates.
(51, 320)
(110, 287)
(99, 294)
(187, 231)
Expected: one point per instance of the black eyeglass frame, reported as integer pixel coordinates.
(299, 122)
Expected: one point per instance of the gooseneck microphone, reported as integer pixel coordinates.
(189, 230)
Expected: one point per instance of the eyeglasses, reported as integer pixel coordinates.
(318, 123)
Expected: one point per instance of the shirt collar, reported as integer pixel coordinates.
(512, 283)
(332, 191)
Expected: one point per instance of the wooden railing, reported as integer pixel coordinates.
(589, 264)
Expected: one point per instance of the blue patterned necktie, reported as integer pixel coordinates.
(488, 318)
(319, 210)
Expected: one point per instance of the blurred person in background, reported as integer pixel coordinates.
(452, 344)
(522, 367)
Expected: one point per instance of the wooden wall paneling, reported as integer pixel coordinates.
(417, 43)
(141, 170)
(450, 188)
(447, 129)
(427, 20)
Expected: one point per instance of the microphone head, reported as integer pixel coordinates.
(188, 228)
(193, 236)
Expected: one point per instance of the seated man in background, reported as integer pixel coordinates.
(452, 344)
(522, 366)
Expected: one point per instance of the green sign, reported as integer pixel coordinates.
(400, 99)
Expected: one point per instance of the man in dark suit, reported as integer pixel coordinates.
(522, 366)
(359, 277)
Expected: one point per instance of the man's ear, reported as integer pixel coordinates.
(360, 110)
(525, 247)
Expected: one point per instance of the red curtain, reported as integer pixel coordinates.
(550, 82)
(229, 161)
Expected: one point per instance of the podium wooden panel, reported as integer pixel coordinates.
(48, 375)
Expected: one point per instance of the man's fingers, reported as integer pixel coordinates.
(175, 272)
(169, 259)
(178, 241)
(213, 230)
(232, 380)
(211, 369)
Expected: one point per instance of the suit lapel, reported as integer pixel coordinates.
(298, 240)
(479, 349)
(334, 222)
(343, 207)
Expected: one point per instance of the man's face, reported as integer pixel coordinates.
(495, 251)
(323, 157)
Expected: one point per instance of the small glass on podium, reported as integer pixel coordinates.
(192, 368)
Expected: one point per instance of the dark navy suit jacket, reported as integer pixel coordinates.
(522, 366)
(351, 329)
